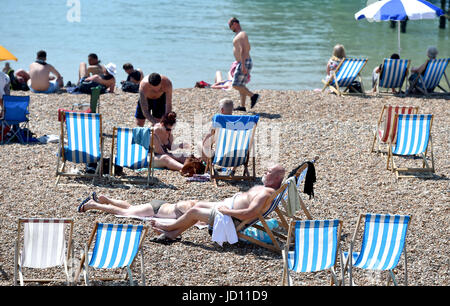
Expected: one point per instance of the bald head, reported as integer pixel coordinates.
(274, 176)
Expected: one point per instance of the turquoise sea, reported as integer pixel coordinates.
(189, 40)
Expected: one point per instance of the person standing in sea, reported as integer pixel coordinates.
(241, 51)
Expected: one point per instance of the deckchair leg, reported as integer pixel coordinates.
(16, 261)
(86, 266)
(130, 276)
(142, 268)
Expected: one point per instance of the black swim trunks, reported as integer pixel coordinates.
(156, 107)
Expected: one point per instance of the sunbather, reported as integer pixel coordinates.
(432, 52)
(155, 208)
(241, 206)
(336, 58)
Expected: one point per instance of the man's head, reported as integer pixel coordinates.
(395, 56)
(226, 106)
(234, 25)
(274, 176)
(432, 52)
(155, 79)
(128, 67)
(41, 55)
(93, 59)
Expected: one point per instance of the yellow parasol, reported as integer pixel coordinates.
(6, 55)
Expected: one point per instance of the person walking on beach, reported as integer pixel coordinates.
(155, 95)
(241, 51)
(40, 79)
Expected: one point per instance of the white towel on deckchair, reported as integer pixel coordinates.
(293, 204)
(223, 228)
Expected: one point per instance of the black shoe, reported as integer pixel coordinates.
(254, 99)
(240, 108)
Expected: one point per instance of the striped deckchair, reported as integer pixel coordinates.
(383, 242)
(413, 138)
(280, 196)
(431, 77)
(317, 243)
(116, 246)
(85, 143)
(42, 246)
(346, 72)
(393, 74)
(130, 152)
(233, 144)
(386, 125)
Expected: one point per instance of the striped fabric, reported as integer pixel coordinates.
(83, 133)
(434, 72)
(44, 243)
(413, 134)
(233, 141)
(348, 71)
(116, 245)
(129, 153)
(383, 241)
(316, 243)
(390, 125)
(394, 73)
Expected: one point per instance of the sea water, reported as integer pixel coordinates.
(188, 41)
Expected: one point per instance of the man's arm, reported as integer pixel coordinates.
(248, 213)
(168, 96)
(55, 72)
(144, 105)
(242, 53)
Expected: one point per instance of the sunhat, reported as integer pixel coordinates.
(111, 68)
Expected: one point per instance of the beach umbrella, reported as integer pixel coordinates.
(6, 55)
(398, 10)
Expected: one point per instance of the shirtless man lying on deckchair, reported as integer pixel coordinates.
(241, 206)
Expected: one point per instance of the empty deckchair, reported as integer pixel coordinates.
(14, 117)
(342, 78)
(431, 77)
(85, 143)
(393, 74)
(42, 245)
(233, 144)
(383, 242)
(280, 196)
(132, 149)
(116, 246)
(387, 126)
(413, 138)
(317, 243)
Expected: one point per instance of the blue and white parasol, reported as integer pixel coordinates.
(398, 10)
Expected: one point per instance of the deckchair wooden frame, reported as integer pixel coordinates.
(232, 177)
(383, 114)
(377, 82)
(150, 170)
(350, 259)
(337, 89)
(286, 280)
(422, 88)
(60, 171)
(406, 172)
(128, 274)
(282, 215)
(18, 275)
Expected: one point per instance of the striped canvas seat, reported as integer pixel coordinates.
(386, 130)
(315, 249)
(342, 78)
(233, 142)
(382, 244)
(432, 76)
(116, 246)
(413, 138)
(44, 245)
(130, 153)
(393, 73)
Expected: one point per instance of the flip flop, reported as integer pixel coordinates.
(163, 239)
(94, 196)
(81, 206)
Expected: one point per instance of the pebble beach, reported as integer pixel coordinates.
(294, 126)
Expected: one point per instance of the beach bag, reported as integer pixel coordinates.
(261, 235)
(91, 167)
(128, 86)
(85, 87)
(192, 165)
(355, 87)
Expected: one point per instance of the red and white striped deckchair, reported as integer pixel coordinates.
(44, 246)
(387, 125)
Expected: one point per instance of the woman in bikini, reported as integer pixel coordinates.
(163, 144)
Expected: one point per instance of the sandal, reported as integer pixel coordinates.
(94, 196)
(81, 206)
(163, 239)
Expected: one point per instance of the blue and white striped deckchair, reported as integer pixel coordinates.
(382, 244)
(133, 150)
(413, 137)
(233, 143)
(317, 243)
(85, 142)
(116, 246)
(393, 73)
(347, 71)
(432, 76)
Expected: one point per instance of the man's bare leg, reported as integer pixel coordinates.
(119, 203)
(144, 210)
(82, 71)
(243, 92)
